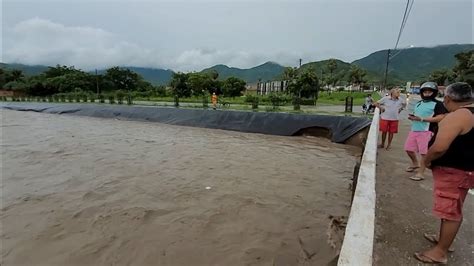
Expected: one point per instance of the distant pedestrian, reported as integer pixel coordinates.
(451, 159)
(369, 104)
(214, 100)
(390, 108)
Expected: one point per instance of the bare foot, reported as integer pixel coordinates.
(388, 148)
(381, 146)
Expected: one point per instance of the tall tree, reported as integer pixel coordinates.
(200, 83)
(3, 77)
(357, 76)
(331, 65)
(58, 70)
(464, 69)
(179, 84)
(441, 77)
(16, 75)
(290, 73)
(306, 84)
(122, 78)
(233, 87)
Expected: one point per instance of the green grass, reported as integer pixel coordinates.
(340, 97)
(336, 98)
(238, 103)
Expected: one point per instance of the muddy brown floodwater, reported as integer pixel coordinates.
(89, 191)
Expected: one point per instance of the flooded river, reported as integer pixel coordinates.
(89, 191)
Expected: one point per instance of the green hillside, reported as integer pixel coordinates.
(414, 64)
(27, 70)
(267, 71)
(155, 76)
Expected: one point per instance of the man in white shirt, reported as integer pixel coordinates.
(390, 108)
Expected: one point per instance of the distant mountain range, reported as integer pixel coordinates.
(264, 72)
(27, 69)
(413, 64)
(155, 76)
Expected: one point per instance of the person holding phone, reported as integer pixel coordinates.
(426, 115)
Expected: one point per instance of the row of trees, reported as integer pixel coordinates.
(198, 84)
(462, 71)
(331, 77)
(355, 76)
(303, 83)
(306, 83)
(63, 79)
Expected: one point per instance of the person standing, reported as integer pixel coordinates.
(369, 104)
(451, 159)
(214, 100)
(390, 108)
(427, 113)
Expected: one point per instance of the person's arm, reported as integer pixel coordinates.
(433, 119)
(439, 113)
(379, 104)
(449, 128)
(403, 105)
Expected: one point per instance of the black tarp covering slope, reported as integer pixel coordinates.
(340, 127)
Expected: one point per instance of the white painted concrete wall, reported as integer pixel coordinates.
(358, 245)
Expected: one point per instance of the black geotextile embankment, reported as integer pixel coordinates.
(340, 127)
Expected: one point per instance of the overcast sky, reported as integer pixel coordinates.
(190, 35)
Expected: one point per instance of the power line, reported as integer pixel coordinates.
(406, 14)
(404, 20)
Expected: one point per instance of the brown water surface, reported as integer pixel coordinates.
(89, 191)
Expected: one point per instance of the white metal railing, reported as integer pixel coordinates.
(357, 247)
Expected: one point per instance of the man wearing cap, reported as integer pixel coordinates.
(425, 117)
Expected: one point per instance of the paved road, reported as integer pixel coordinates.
(403, 211)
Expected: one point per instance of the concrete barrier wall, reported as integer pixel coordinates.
(357, 248)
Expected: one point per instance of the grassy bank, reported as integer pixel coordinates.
(334, 98)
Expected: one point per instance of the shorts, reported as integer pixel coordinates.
(450, 189)
(417, 141)
(390, 126)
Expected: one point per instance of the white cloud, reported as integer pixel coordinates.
(41, 41)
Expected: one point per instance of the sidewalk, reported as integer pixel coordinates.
(403, 211)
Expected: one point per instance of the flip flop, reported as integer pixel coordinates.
(429, 260)
(434, 239)
(416, 177)
(411, 168)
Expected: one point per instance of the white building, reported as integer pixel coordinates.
(264, 88)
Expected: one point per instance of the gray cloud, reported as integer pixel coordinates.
(40, 41)
(194, 34)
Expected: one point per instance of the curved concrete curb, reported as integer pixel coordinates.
(357, 247)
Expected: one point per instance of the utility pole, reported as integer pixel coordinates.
(97, 83)
(386, 70)
(300, 62)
